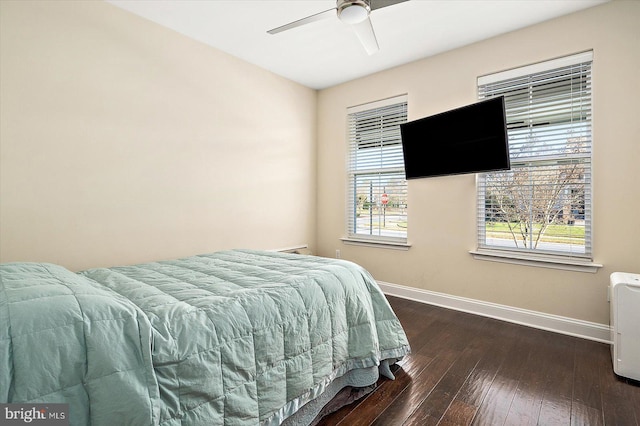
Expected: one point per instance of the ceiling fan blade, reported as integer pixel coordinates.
(303, 21)
(364, 31)
(378, 4)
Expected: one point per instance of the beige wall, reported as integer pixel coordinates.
(442, 210)
(122, 141)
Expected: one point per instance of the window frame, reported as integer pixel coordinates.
(396, 106)
(534, 256)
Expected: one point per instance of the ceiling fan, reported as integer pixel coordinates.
(352, 12)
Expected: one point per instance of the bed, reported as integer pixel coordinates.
(238, 337)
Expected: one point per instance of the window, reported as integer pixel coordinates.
(377, 189)
(543, 204)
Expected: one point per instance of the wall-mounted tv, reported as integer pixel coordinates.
(470, 139)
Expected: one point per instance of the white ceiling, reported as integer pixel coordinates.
(327, 52)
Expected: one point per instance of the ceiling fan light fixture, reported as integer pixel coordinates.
(353, 12)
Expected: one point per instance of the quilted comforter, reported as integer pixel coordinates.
(236, 337)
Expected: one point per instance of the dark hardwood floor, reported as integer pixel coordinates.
(471, 370)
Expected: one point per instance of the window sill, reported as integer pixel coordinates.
(541, 261)
(392, 245)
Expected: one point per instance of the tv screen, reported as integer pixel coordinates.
(470, 139)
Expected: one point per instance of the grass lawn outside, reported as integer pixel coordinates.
(555, 233)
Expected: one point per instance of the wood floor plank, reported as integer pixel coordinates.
(466, 369)
(555, 411)
(418, 390)
(473, 392)
(636, 400)
(434, 407)
(477, 385)
(619, 412)
(497, 403)
(458, 413)
(586, 381)
(366, 412)
(560, 360)
(619, 395)
(583, 415)
(527, 401)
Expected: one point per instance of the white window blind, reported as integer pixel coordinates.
(377, 189)
(543, 204)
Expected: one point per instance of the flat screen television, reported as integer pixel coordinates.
(470, 139)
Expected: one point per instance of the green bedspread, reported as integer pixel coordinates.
(236, 338)
(66, 339)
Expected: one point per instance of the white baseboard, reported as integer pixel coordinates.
(555, 323)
